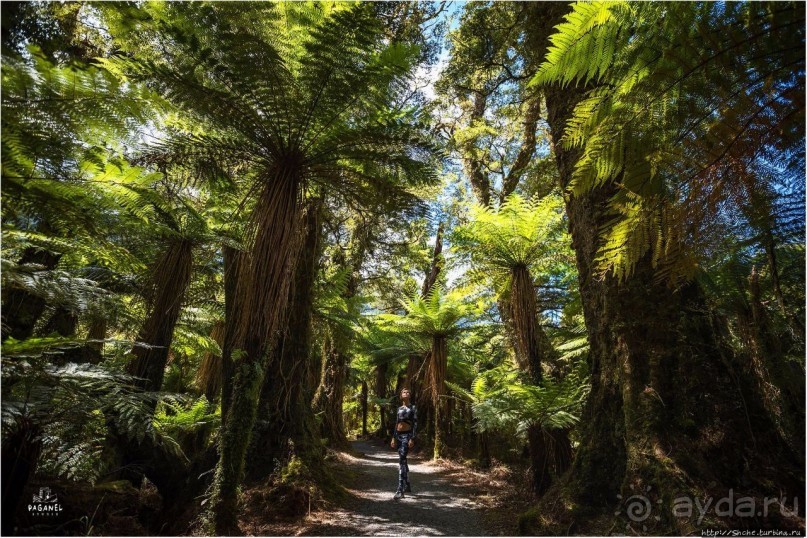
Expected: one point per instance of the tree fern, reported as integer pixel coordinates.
(688, 105)
(528, 233)
(500, 401)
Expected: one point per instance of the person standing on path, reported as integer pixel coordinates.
(403, 438)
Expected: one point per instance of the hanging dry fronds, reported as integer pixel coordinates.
(209, 374)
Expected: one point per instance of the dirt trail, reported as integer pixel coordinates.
(437, 506)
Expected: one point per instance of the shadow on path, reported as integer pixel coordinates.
(436, 507)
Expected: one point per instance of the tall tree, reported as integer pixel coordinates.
(292, 113)
(509, 249)
(428, 326)
(285, 415)
(492, 62)
(649, 418)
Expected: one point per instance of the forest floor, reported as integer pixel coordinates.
(447, 499)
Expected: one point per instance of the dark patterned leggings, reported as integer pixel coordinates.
(402, 444)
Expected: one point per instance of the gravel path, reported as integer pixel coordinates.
(437, 505)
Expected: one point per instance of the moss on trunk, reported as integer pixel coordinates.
(330, 394)
(261, 298)
(667, 413)
(285, 416)
(235, 437)
(233, 259)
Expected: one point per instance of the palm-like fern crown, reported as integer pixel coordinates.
(520, 233)
(307, 86)
(59, 125)
(438, 314)
(67, 189)
(694, 107)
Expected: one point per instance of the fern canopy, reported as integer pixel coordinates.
(285, 84)
(520, 233)
(691, 108)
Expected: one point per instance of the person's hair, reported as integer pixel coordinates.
(405, 389)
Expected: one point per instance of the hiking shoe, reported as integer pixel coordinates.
(398, 495)
(408, 488)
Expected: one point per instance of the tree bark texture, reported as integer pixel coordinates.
(262, 294)
(665, 411)
(330, 394)
(171, 278)
(285, 419)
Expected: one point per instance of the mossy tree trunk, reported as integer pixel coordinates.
(233, 259)
(665, 411)
(331, 392)
(235, 437)
(262, 294)
(285, 416)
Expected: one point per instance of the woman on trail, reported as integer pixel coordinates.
(403, 439)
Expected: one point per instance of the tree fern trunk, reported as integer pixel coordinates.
(781, 392)
(285, 416)
(533, 349)
(21, 309)
(20, 456)
(484, 449)
(93, 352)
(235, 437)
(209, 374)
(796, 325)
(436, 376)
(172, 276)
(63, 322)
(380, 390)
(133, 459)
(364, 407)
(262, 295)
(330, 395)
(665, 410)
(233, 259)
(439, 433)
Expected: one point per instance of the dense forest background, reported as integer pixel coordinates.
(232, 232)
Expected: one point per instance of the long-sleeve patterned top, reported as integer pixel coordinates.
(407, 415)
